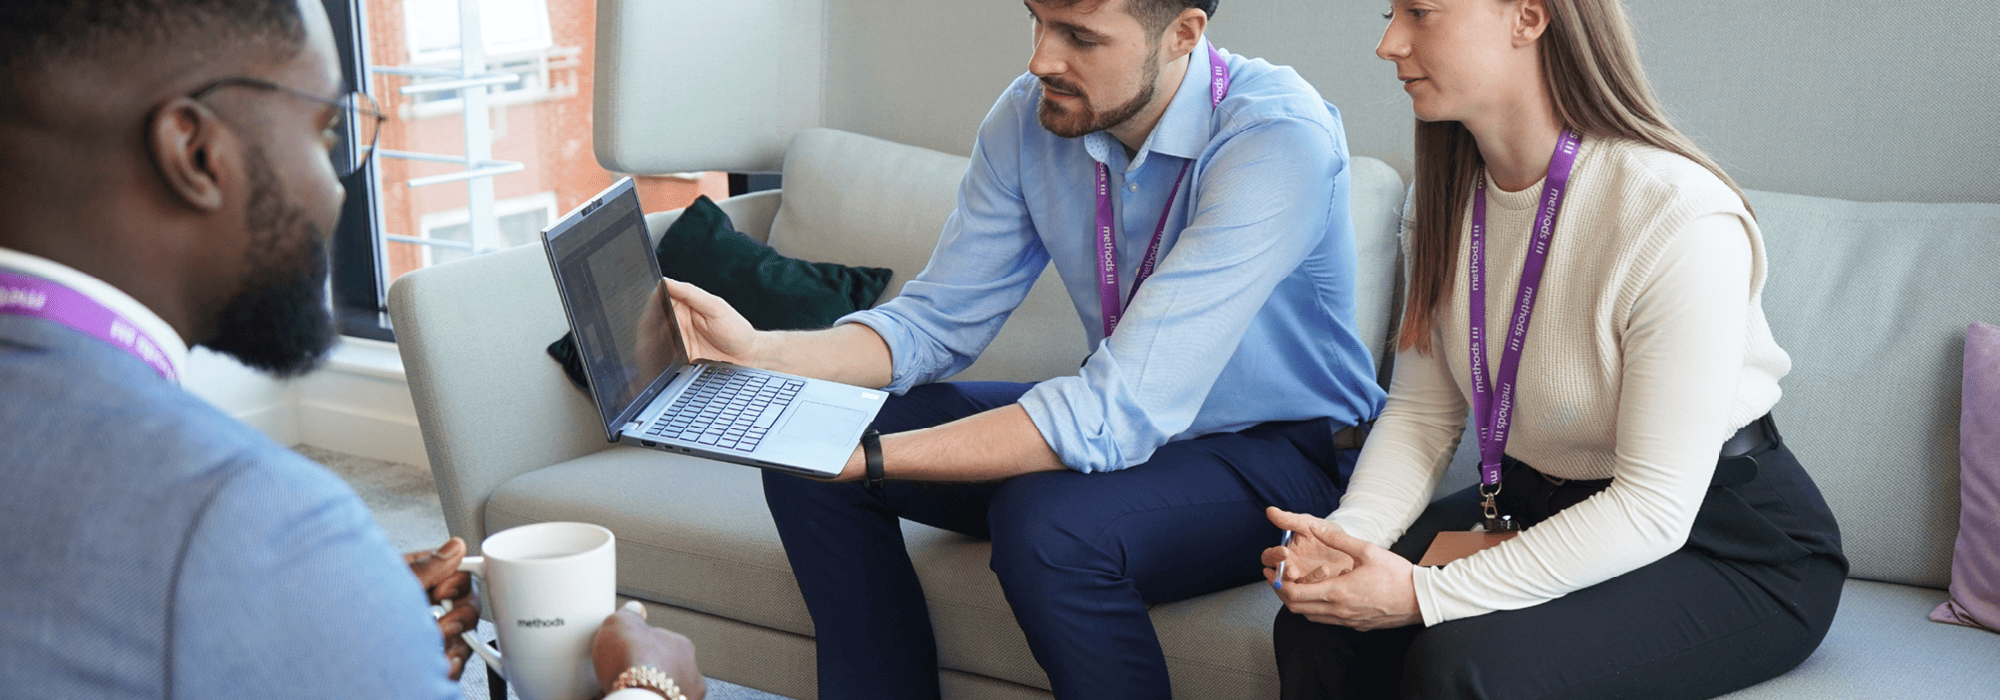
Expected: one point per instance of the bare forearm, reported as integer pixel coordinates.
(849, 353)
(987, 446)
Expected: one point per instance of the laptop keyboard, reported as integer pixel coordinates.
(728, 409)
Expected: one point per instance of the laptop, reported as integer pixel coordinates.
(650, 393)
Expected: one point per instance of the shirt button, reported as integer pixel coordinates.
(1134, 187)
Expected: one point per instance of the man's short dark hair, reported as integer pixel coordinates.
(40, 32)
(1152, 14)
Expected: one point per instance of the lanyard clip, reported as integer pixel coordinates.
(1495, 522)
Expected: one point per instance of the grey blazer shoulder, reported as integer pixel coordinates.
(157, 547)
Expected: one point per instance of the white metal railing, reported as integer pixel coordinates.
(485, 168)
(480, 82)
(470, 80)
(433, 242)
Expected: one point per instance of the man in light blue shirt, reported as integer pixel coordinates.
(1230, 381)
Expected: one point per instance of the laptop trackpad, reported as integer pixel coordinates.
(818, 421)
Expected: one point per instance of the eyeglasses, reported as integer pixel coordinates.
(356, 124)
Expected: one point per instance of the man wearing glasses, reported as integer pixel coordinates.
(169, 172)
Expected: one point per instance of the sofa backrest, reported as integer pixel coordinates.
(1872, 301)
(860, 200)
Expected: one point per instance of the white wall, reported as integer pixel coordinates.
(358, 403)
(243, 393)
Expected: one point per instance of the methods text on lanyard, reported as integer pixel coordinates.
(1493, 401)
(1107, 236)
(21, 295)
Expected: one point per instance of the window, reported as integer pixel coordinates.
(487, 142)
(521, 222)
(517, 43)
(432, 31)
(544, 74)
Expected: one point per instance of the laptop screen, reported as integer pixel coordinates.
(626, 335)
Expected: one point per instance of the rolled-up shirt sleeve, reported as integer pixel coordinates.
(1263, 201)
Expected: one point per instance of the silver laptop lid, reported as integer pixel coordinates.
(609, 282)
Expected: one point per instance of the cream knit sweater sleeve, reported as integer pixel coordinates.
(1682, 354)
(1407, 452)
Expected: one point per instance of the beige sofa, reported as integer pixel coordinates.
(511, 442)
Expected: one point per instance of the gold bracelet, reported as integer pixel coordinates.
(649, 678)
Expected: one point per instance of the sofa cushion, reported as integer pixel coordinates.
(773, 292)
(1975, 562)
(696, 534)
(692, 532)
(860, 200)
(1871, 300)
(1881, 646)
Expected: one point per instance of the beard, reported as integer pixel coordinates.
(278, 322)
(1071, 122)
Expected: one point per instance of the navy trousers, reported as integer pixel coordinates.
(1078, 555)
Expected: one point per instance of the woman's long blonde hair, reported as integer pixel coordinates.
(1590, 62)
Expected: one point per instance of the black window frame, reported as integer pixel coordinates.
(360, 294)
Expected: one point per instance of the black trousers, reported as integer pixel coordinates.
(1749, 597)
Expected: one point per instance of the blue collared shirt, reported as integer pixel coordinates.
(1249, 316)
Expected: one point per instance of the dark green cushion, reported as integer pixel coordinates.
(772, 291)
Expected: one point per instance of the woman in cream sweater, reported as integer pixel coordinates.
(1620, 382)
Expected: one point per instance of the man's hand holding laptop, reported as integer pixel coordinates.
(712, 328)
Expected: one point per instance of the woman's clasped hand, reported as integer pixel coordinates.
(1333, 578)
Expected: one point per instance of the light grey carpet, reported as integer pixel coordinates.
(405, 502)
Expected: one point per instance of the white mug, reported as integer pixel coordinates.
(549, 587)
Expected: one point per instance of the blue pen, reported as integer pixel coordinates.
(1278, 581)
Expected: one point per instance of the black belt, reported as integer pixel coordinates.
(1738, 461)
(1351, 437)
(1755, 437)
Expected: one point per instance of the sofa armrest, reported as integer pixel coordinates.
(491, 403)
(753, 213)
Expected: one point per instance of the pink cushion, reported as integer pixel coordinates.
(1975, 563)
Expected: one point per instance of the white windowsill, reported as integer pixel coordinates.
(373, 358)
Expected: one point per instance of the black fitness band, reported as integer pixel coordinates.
(871, 453)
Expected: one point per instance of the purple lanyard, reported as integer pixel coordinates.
(1493, 406)
(1107, 238)
(39, 298)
